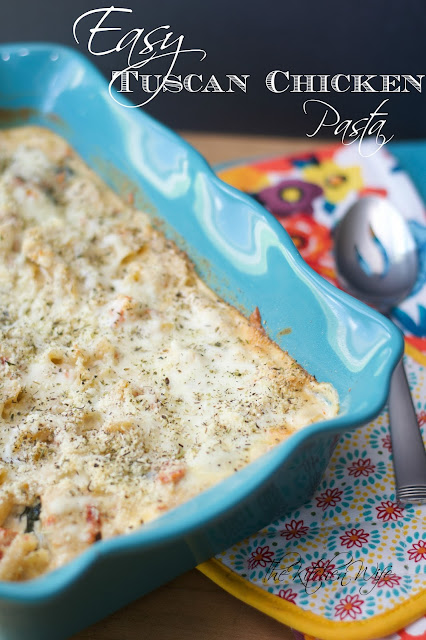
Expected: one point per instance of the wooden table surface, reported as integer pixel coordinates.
(192, 607)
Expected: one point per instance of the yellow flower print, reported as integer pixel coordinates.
(336, 181)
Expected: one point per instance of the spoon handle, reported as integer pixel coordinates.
(408, 451)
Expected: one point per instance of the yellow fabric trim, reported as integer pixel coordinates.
(414, 353)
(311, 623)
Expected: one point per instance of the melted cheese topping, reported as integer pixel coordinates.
(127, 386)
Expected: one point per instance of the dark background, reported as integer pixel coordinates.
(255, 37)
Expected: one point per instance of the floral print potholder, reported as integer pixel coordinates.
(351, 554)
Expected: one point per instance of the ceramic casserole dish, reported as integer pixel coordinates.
(247, 258)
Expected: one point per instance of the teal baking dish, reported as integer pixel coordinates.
(248, 258)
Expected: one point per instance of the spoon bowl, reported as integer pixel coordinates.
(376, 255)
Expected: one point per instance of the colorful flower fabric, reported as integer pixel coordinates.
(330, 498)
(294, 529)
(349, 607)
(417, 552)
(313, 240)
(354, 538)
(361, 468)
(389, 510)
(288, 594)
(352, 552)
(389, 580)
(245, 178)
(336, 181)
(289, 196)
(261, 557)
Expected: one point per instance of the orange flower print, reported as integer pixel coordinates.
(387, 580)
(313, 240)
(417, 552)
(329, 498)
(361, 467)
(421, 418)
(388, 511)
(354, 538)
(261, 557)
(349, 607)
(294, 529)
(387, 442)
(288, 594)
(320, 570)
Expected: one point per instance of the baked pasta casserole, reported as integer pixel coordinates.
(126, 385)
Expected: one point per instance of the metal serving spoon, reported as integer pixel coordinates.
(377, 262)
